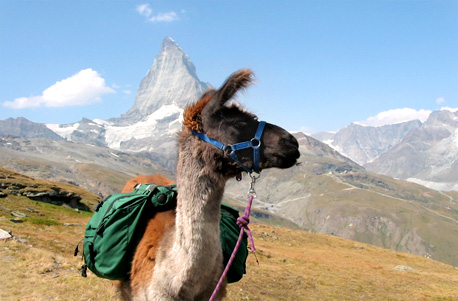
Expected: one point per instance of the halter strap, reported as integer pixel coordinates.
(254, 143)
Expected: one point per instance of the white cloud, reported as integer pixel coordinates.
(146, 11)
(164, 17)
(396, 116)
(306, 130)
(83, 88)
(440, 100)
(449, 109)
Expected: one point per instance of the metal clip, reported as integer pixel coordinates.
(252, 191)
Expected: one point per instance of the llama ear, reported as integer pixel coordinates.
(192, 115)
(237, 81)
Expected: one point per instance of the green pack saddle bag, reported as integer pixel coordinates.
(119, 222)
(229, 235)
(117, 226)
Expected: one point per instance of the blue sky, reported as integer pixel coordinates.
(320, 65)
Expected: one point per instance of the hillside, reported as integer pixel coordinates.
(293, 265)
(97, 169)
(71, 196)
(330, 194)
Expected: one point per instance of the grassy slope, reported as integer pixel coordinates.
(297, 265)
(11, 180)
(294, 264)
(362, 206)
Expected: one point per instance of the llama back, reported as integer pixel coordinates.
(156, 179)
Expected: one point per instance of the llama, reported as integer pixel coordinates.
(180, 255)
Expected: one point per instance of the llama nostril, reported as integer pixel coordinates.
(290, 141)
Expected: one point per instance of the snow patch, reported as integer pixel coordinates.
(113, 154)
(102, 122)
(65, 131)
(361, 124)
(115, 135)
(455, 138)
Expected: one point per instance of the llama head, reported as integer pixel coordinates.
(222, 119)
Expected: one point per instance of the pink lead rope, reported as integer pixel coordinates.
(242, 222)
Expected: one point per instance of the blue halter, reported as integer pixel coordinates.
(254, 143)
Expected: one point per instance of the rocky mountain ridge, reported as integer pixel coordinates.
(365, 143)
(171, 81)
(98, 169)
(424, 153)
(23, 127)
(427, 155)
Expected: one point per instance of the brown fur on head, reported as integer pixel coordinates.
(192, 116)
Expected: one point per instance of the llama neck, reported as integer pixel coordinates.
(189, 265)
(198, 204)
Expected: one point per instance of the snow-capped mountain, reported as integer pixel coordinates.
(425, 153)
(172, 81)
(169, 85)
(364, 144)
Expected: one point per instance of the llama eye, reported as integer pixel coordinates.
(241, 125)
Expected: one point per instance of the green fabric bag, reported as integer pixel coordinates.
(118, 224)
(229, 235)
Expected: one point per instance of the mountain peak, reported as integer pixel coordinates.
(169, 44)
(171, 80)
(23, 127)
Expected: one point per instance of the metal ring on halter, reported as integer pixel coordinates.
(253, 140)
(254, 176)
